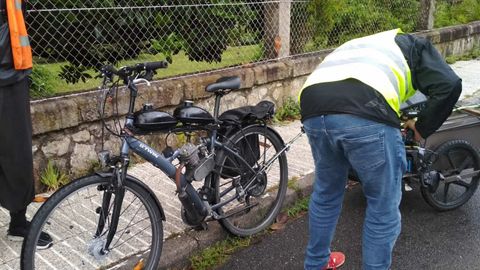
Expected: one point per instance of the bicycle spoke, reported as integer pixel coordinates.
(128, 225)
(449, 158)
(126, 240)
(467, 163)
(462, 184)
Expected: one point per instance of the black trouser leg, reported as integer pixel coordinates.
(16, 161)
(18, 219)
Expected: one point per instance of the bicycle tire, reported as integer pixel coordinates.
(447, 158)
(268, 192)
(74, 246)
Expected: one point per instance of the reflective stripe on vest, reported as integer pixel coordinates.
(375, 60)
(21, 50)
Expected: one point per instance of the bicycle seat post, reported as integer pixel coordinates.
(216, 110)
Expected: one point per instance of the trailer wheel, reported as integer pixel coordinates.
(454, 175)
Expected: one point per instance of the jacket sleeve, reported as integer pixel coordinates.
(434, 78)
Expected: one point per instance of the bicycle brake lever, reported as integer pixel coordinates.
(139, 80)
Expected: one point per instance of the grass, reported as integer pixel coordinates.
(181, 65)
(293, 185)
(219, 253)
(298, 208)
(52, 178)
(473, 54)
(289, 111)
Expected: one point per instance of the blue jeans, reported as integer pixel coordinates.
(376, 152)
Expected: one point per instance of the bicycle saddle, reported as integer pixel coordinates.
(224, 83)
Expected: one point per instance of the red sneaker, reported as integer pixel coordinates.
(337, 259)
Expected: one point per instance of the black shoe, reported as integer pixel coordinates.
(18, 234)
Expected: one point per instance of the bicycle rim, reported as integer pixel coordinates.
(71, 217)
(264, 195)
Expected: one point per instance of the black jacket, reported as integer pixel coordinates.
(431, 75)
(8, 75)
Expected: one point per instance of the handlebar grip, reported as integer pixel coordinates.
(150, 66)
(156, 65)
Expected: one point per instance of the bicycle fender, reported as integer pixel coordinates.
(270, 128)
(143, 185)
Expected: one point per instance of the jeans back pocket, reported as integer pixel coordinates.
(365, 152)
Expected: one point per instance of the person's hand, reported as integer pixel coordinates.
(410, 124)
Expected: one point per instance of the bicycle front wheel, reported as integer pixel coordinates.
(251, 191)
(72, 216)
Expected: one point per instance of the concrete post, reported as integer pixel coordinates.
(426, 19)
(284, 28)
(277, 29)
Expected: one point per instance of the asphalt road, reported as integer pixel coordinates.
(429, 239)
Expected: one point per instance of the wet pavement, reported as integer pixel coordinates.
(429, 239)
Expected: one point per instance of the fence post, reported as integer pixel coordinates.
(426, 20)
(277, 29)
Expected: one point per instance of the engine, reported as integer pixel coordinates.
(198, 163)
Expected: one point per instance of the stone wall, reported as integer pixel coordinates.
(67, 129)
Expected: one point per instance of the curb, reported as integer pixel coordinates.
(177, 251)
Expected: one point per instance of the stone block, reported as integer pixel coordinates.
(54, 114)
(81, 136)
(271, 72)
(83, 156)
(56, 148)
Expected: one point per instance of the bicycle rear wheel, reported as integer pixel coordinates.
(455, 160)
(71, 216)
(252, 192)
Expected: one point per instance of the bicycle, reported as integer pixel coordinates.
(238, 156)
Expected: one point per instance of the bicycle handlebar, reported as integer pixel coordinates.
(127, 71)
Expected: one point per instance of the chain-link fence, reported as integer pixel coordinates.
(70, 38)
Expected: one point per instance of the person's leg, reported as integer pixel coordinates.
(16, 162)
(377, 154)
(18, 219)
(328, 191)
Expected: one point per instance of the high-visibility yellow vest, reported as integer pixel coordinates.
(375, 60)
(21, 50)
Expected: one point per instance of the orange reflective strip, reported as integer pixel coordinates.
(21, 50)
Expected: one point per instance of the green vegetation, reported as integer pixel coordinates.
(473, 54)
(337, 21)
(99, 32)
(456, 12)
(42, 81)
(219, 253)
(52, 178)
(290, 110)
(181, 65)
(299, 207)
(205, 38)
(293, 185)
